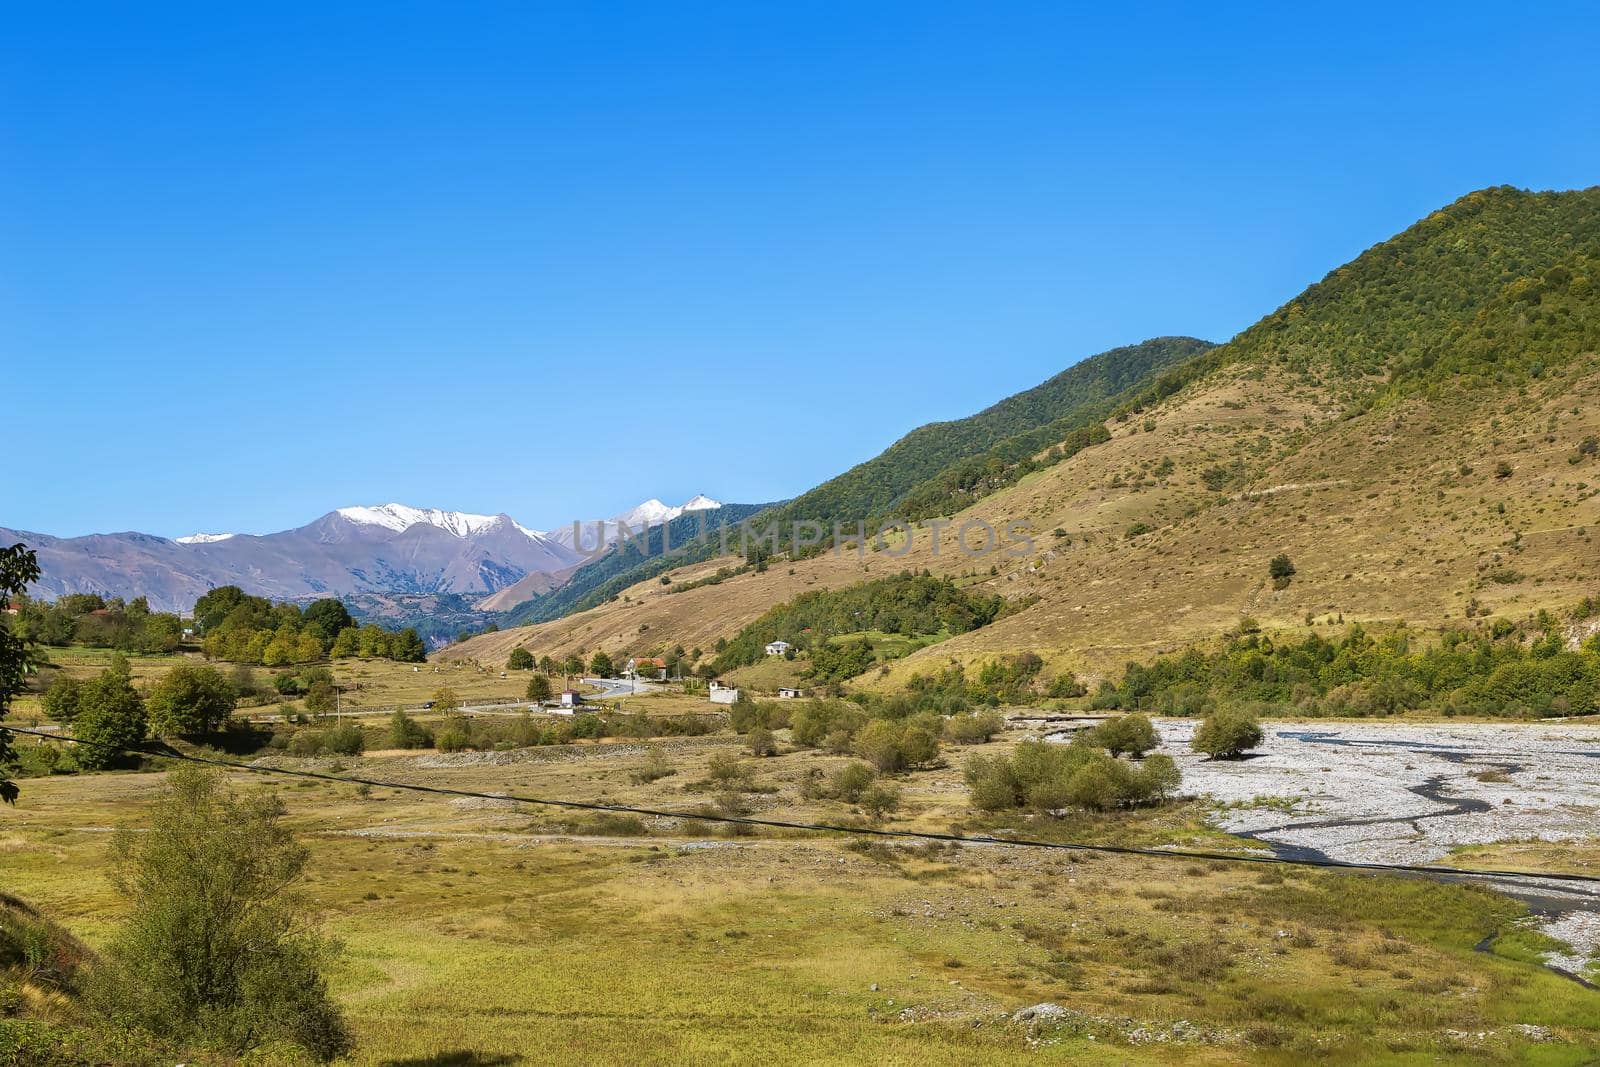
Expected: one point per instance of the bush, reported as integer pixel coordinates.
(974, 729)
(761, 742)
(1125, 734)
(519, 660)
(212, 951)
(453, 738)
(346, 740)
(850, 781)
(406, 732)
(655, 767)
(305, 743)
(879, 799)
(1048, 777)
(1227, 733)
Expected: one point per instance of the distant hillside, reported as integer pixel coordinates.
(1419, 432)
(1006, 432)
(932, 470)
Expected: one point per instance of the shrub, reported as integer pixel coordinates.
(406, 732)
(305, 743)
(346, 740)
(850, 781)
(1227, 733)
(212, 951)
(1048, 777)
(519, 660)
(453, 738)
(1130, 734)
(974, 729)
(879, 799)
(655, 767)
(761, 742)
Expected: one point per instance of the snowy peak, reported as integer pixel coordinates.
(650, 513)
(203, 538)
(400, 517)
(701, 502)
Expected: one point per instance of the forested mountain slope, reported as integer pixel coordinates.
(1417, 433)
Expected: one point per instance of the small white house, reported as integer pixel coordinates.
(571, 698)
(724, 694)
(790, 693)
(778, 648)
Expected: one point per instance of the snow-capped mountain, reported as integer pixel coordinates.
(203, 538)
(380, 549)
(400, 517)
(589, 535)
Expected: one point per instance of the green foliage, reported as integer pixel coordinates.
(850, 781)
(1496, 668)
(762, 742)
(1049, 777)
(937, 468)
(539, 688)
(974, 728)
(905, 603)
(61, 700)
(1227, 733)
(519, 660)
(213, 950)
(600, 666)
(18, 567)
(345, 740)
(1007, 680)
(406, 732)
(895, 745)
(1280, 569)
(190, 700)
(110, 713)
(248, 629)
(1125, 735)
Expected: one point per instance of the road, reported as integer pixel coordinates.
(613, 688)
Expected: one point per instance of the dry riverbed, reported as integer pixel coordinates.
(1413, 793)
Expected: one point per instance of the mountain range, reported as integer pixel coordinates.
(386, 550)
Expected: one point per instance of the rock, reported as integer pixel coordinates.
(1044, 1013)
(874, 987)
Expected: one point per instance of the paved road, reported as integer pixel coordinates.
(612, 688)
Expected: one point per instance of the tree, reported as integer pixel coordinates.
(1227, 733)
(325, 618)
(406, 732)
(573, 664)
(110, 714)
(602, 666)
(18, 567)
(214, 950)
(445, 699)
(190, 700)
(1281, 568)
(548, 665)
(61, 699)
(539, 688)
(761, 742)
(519, 660)
(1132, 734)
(322, 698)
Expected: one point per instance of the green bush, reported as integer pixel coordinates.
(406, 732)
(850, 781)
(1049, 777)
(1227, 733)
(761, 742)
(1125, 735)
(346, 740)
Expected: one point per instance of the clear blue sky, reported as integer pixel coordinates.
(554, 259)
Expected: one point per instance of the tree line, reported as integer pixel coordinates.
(240, 628)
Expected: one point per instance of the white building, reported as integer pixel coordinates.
(724, 694)
(571, 698)
(790, 693)
(778, 648)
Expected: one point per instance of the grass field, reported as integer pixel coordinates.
(485, 931)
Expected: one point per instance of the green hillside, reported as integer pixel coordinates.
(1000, 435)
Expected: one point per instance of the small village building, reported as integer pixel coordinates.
(724, 694)
(571, 698)
(778, 648)
(652, 665)
(786, 692)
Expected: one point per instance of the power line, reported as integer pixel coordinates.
(837, 828)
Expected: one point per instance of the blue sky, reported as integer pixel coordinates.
(554, 259)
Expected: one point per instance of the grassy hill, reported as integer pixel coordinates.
(1417, 432)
